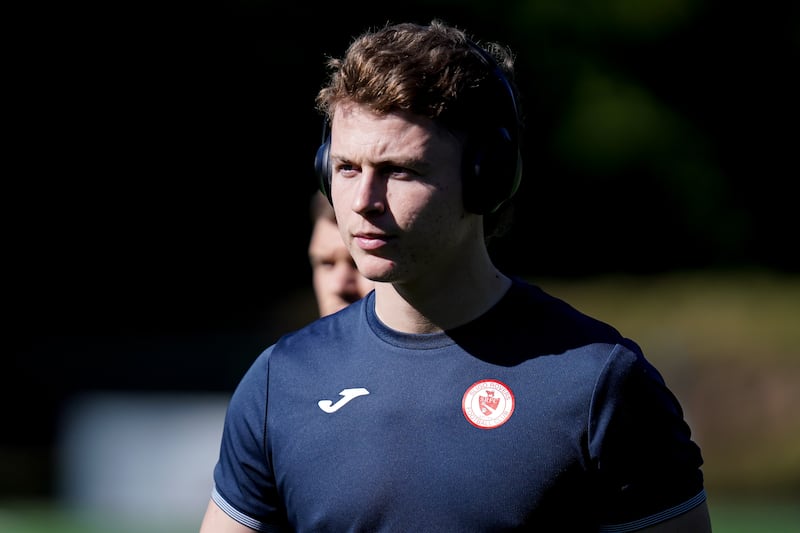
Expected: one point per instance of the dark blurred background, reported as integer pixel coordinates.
(156, 194)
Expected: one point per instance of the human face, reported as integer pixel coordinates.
(335, 277)
(396, 190)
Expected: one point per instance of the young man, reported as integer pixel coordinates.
(335, 277)
(452, 397)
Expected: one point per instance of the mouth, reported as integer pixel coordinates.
(370, 241)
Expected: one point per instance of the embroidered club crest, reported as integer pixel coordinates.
(488, 404)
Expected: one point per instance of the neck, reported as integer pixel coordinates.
(438, 303)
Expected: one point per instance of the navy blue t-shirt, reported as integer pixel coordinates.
(532, 417)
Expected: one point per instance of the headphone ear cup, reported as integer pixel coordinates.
(322, 166)
(492, 172)
(493, 168)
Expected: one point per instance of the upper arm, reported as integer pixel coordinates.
(697, 520)
(649, 466)
(216, 521)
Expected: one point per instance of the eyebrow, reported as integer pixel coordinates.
(417, 164)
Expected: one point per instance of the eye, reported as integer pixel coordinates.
(322, 264)
(399, 172)
(347, 170)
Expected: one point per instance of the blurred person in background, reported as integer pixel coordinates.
(454, 396)
(335, 277)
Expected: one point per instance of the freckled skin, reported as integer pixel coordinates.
(399, 176)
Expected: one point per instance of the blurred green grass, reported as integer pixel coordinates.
(737, 516)
(726, 517)
(48, 517)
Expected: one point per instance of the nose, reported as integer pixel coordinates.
(370, 196)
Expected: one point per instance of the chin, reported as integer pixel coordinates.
(380, 277)
(377, 269)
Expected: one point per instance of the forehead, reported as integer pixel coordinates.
(358, 126)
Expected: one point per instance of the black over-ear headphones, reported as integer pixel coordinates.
(493, 165)
(322, 162)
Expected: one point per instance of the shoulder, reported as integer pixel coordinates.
(529, 323)
(559, 315)
(335, 326)
(322, 342)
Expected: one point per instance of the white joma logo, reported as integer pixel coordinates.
(347, 395)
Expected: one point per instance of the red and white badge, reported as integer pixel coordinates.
(488, 404)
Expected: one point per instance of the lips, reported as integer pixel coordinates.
(370, 241)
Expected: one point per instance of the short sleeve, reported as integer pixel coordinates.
(647, 465)
(244, 486)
